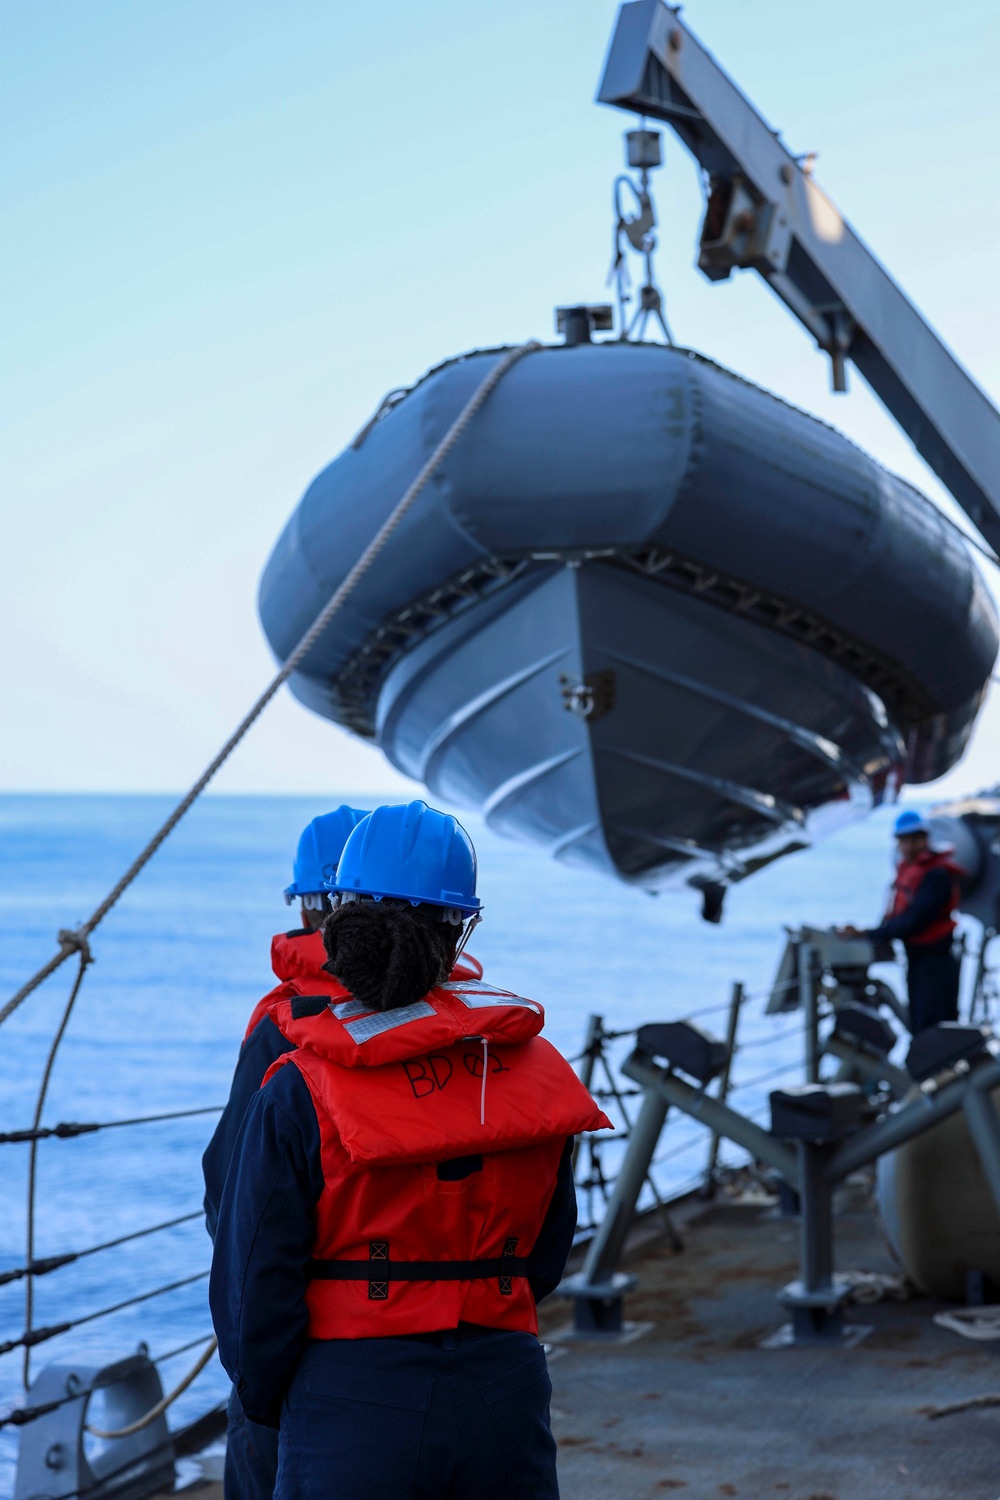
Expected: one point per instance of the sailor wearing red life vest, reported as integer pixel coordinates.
(401, 1195)
(925, 894)
(297, 958)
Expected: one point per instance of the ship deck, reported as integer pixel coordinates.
(695, 1406)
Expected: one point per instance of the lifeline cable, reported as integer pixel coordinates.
(76, 940)
(43, 1088)
(68, 1130)
(32, 1336)
(49, 1263)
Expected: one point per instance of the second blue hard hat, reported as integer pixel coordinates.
(909, 821)
(320, 847)
(413, 853)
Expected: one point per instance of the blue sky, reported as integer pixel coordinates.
(231, 227)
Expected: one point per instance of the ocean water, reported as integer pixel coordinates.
(183, 958)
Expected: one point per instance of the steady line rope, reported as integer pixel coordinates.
(76, 941)
(156, 1411)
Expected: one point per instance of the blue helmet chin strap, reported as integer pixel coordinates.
(470, 926)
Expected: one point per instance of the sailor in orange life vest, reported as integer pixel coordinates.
(297, 958)
(400, 1195)
(924, 896)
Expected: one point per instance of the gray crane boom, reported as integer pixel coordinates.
(766, 212)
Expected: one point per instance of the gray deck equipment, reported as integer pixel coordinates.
(818, 1137)
(56, 1459)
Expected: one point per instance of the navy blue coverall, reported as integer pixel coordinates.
(251, 1450)
(457, 1415)
(932, 970)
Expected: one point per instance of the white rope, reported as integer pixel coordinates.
(869, 1287)
(161, 1406)
(981, 1324)
(71, 942)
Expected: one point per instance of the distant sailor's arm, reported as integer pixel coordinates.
(547, 1261)
(262, 1047)
(263, 1244)
(931, 898)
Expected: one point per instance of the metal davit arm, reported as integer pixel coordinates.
(918, 1115)
(766, 212)
(709, 1111)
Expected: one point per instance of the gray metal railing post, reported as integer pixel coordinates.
(606, 1247)
(598, 1289)
(735, 1002)
(810, 1008)
(591, 1048)
(595, 1030)
(979, 983)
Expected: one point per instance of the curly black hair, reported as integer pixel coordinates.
(388, 953)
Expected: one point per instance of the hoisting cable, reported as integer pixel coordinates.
(161, 1406)
(73, 941)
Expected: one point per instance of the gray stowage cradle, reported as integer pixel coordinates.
(646, 614)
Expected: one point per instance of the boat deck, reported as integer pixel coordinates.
(697, 1407)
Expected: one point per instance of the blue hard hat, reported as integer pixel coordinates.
(320, 847)
(413, 853)
(909, 822)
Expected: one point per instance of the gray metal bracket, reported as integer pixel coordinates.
(816, 1298)
(57, 1459)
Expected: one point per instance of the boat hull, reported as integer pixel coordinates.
(645, 614)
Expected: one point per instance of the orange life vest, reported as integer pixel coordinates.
(463, 1078)
(909, 876)
(297, 959)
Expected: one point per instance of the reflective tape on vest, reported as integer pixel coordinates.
(380, 1021)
